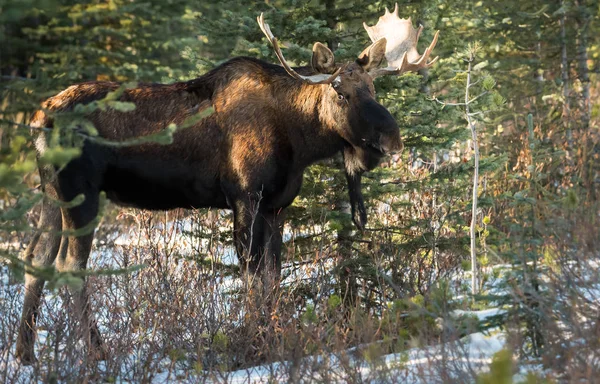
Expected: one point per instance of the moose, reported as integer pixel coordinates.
(269, 123)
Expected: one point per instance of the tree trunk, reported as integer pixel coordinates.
(475, 181)
(590, 148)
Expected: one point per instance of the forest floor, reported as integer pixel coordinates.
(136, 344)
(469, 355)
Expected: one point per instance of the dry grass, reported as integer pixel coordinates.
(186, 316)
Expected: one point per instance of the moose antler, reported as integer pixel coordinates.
(314, 79)
(401, 48)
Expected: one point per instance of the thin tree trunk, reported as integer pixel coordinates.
(436, 220)
(348, 286)
(332, 43)
(582, 60)
(475, 181)
(587, 162)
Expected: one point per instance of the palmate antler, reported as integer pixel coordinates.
(401, 48)
(314, 79)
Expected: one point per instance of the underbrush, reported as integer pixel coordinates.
(183, 314)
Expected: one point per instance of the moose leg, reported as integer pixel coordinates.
(41, 252)
(73, 257)
(274, 221)
(248, 234)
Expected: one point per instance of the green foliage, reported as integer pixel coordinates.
(334, 302)
(501, 369)
(309, 316)
(48, 45)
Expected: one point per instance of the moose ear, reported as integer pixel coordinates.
(323, 60)
(373, 55)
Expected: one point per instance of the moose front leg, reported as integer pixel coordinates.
(274, 220)
(248, 234)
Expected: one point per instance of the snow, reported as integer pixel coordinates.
(477, 351)
(407, 365)
(481, 315)
(473, 352)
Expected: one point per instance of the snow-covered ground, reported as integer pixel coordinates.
(473, 352)
(416, 365)
(457, 360)
(411, 366)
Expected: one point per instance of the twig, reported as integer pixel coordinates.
(475, 179)
(24, 126)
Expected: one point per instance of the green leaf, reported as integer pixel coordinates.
(59, 156)
(122, 106)
(488, 83)
(480, 66)
(497, 99)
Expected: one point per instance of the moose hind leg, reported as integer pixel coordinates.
(73, 257)
(41, 252)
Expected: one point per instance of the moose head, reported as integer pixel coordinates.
(350, 99)
(369, 129)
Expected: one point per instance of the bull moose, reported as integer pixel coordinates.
(269, 123)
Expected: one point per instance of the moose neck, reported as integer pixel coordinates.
(311, 125)
(242, 86)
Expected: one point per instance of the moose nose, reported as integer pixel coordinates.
(391, 143)
(389, 139)
(383, 125)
